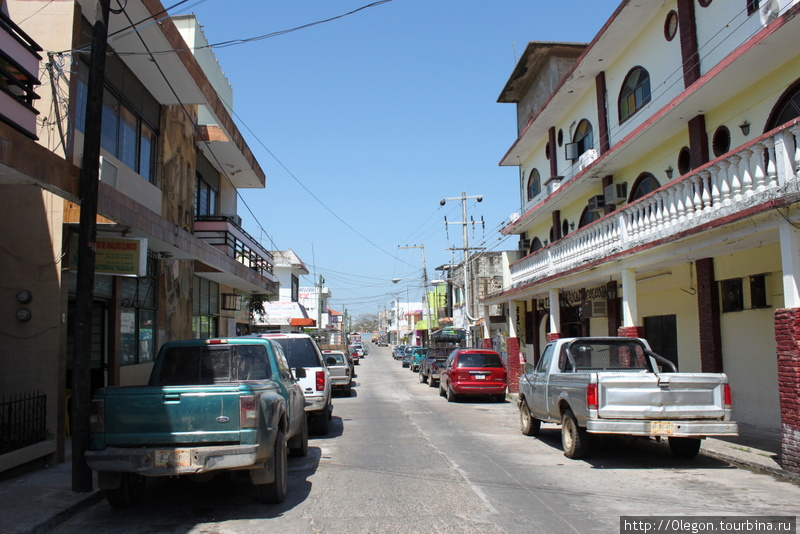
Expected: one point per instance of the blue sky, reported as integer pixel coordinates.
(364, 123)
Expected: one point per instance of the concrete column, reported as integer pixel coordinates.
(555, 315)
(790, 261)
(512, 318)
(630, 312)
(787, 335)
(486, 342)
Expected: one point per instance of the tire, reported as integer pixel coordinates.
(422, 378)
(275, 492)
(441, 389)
(685, 448)
(431, 382)
(129, 493)
(574, 439)
(528, 424)
(298, 445)
(451, 397)
(348, 390)
(321, 423)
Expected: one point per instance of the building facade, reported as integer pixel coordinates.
(658, 188)
(172, 260)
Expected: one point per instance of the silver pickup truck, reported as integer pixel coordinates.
(617, 385)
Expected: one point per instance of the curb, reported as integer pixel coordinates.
(753, 466)
(58, 518)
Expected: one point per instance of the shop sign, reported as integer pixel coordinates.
(115, 256)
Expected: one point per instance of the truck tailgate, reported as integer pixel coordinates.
(665, 396)
(172, 414)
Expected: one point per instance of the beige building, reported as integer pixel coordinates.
(173, 261)
(658, 188)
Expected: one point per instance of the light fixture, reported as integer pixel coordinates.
(572, 225)
(669, 170)
(231, 301)
(745, 127)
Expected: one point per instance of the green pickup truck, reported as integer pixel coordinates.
(211, 405)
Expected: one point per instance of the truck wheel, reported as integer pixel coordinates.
(684, 447)
(431, 382)
(528, 424)
(422, 378)
(298, 445)
(574, 439)
(275, 491)
(321, 423)
(129, 492)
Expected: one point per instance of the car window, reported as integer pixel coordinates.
(544, 362)
(204, 365)
(479, 359)
(338, 356)
(299, 351)
(251, 363)
(283, 365)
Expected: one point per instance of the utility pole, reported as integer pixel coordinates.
(87, 237)
(464, 223)
(319, 302)
(424, 289)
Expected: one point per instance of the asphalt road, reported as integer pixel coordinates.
(401, 459)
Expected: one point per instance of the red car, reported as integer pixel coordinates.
(473, 372)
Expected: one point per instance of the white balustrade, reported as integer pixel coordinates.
(715, 190)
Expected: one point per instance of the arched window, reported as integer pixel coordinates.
(787, 107)
(588, 217)
(635, 93)
(534, 184)
(536, 244)
(644, 184)
(583, 137)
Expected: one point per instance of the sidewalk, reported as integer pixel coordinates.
(35, 502)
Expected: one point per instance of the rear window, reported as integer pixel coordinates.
(479, 359)
(338, 356)
(300, 351)
(204, 365)
(601, 354)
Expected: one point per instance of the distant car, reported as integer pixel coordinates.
(473, 372)
(355, 353)
(408, 352)
(398, 352)
(416, 357)
(340, 369)
(302, 351)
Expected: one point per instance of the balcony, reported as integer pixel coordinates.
(223, 233)
(19, 67)
(724, 189)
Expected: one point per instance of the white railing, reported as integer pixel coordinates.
(753, 174)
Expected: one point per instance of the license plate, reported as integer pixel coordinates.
(658, 428)
(176, 458)
(480, 377)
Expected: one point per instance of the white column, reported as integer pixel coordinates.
(630, 313)
(512, 318)
(555, 311)
(790, 261)
(487, 332)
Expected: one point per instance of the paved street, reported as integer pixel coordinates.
(401, 459)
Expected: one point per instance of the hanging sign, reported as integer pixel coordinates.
(124, 256)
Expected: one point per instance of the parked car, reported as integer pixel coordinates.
(340, 368)
(355, 354)
(210, 405)
(416, 357)
(430, 367)
(617, 385)
(407, 353)
(302, 351)
(473, 372)
(398, 352)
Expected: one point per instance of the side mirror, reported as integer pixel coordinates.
(300, 373)
(330, 360)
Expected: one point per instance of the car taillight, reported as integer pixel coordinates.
(320, 381)
(248, 411)
(591, 396)
(728, 397)
(97, 419)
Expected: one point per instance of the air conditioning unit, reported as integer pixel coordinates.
(597, 203)
(615, 193)
(595, 308)
(587, 158)
(108, 172)
(234, 218)
(524, 245)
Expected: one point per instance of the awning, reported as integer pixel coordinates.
(302, 321)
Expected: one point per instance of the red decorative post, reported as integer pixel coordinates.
(787, 335)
